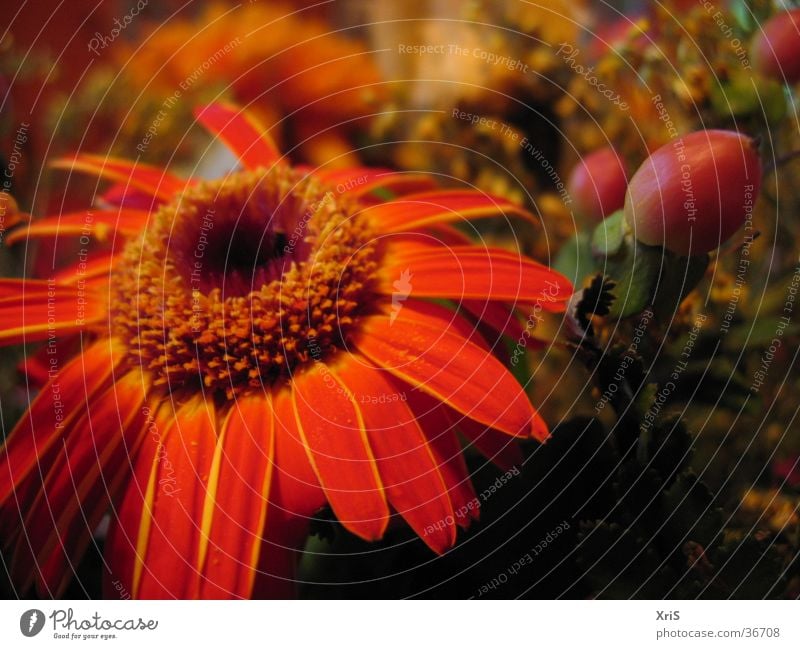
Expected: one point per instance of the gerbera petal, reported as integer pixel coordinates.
(241, 132)
(498, 316)
(58, 404)
(235, 510)
(434, 421)
(99, 266)
(36, 315)
(423, 352)
(151, 180)
(84, 474)
(101, 225)
(332, 429)
(444, 317)
(169, 538)
(121, 195)
(495, 446)
(129, 527)
(361, 181)
(13, 287)
(472, 273)
(421, 210)
(296, 491)
(413, 482)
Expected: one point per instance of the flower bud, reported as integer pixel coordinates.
(776, 48)
(597, 184)
(692, 194)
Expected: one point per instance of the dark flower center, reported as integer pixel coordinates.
(238, 281)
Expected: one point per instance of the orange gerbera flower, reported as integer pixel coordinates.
(260, 346)
(310, 83)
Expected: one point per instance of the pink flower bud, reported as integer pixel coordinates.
(692, 194)
(776, 49)
(597, 184)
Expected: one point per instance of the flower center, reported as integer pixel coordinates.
(238, 281)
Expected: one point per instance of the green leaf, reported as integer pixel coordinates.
(744, 95)
(741, 13)
(635, 271)
(575, 260)
(609, 235)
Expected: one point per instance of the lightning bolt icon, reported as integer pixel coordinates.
(32, 620)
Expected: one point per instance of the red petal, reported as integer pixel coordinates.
(413, 482)
(296, 490)
(102, 226)
(152, 180)
(130, 520)
(129, 198)
(38, 314)
(470, 272)
(60, 402)
(241, 132)
(421, 351)
(87, 470)
(446, 318)
(498, 316)
(433, 418)
(99, 266)
(415, 211)
(14, 287)
(361, 181)
(332, 430)
(169, 533)
(497, 447)
(235, 511)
